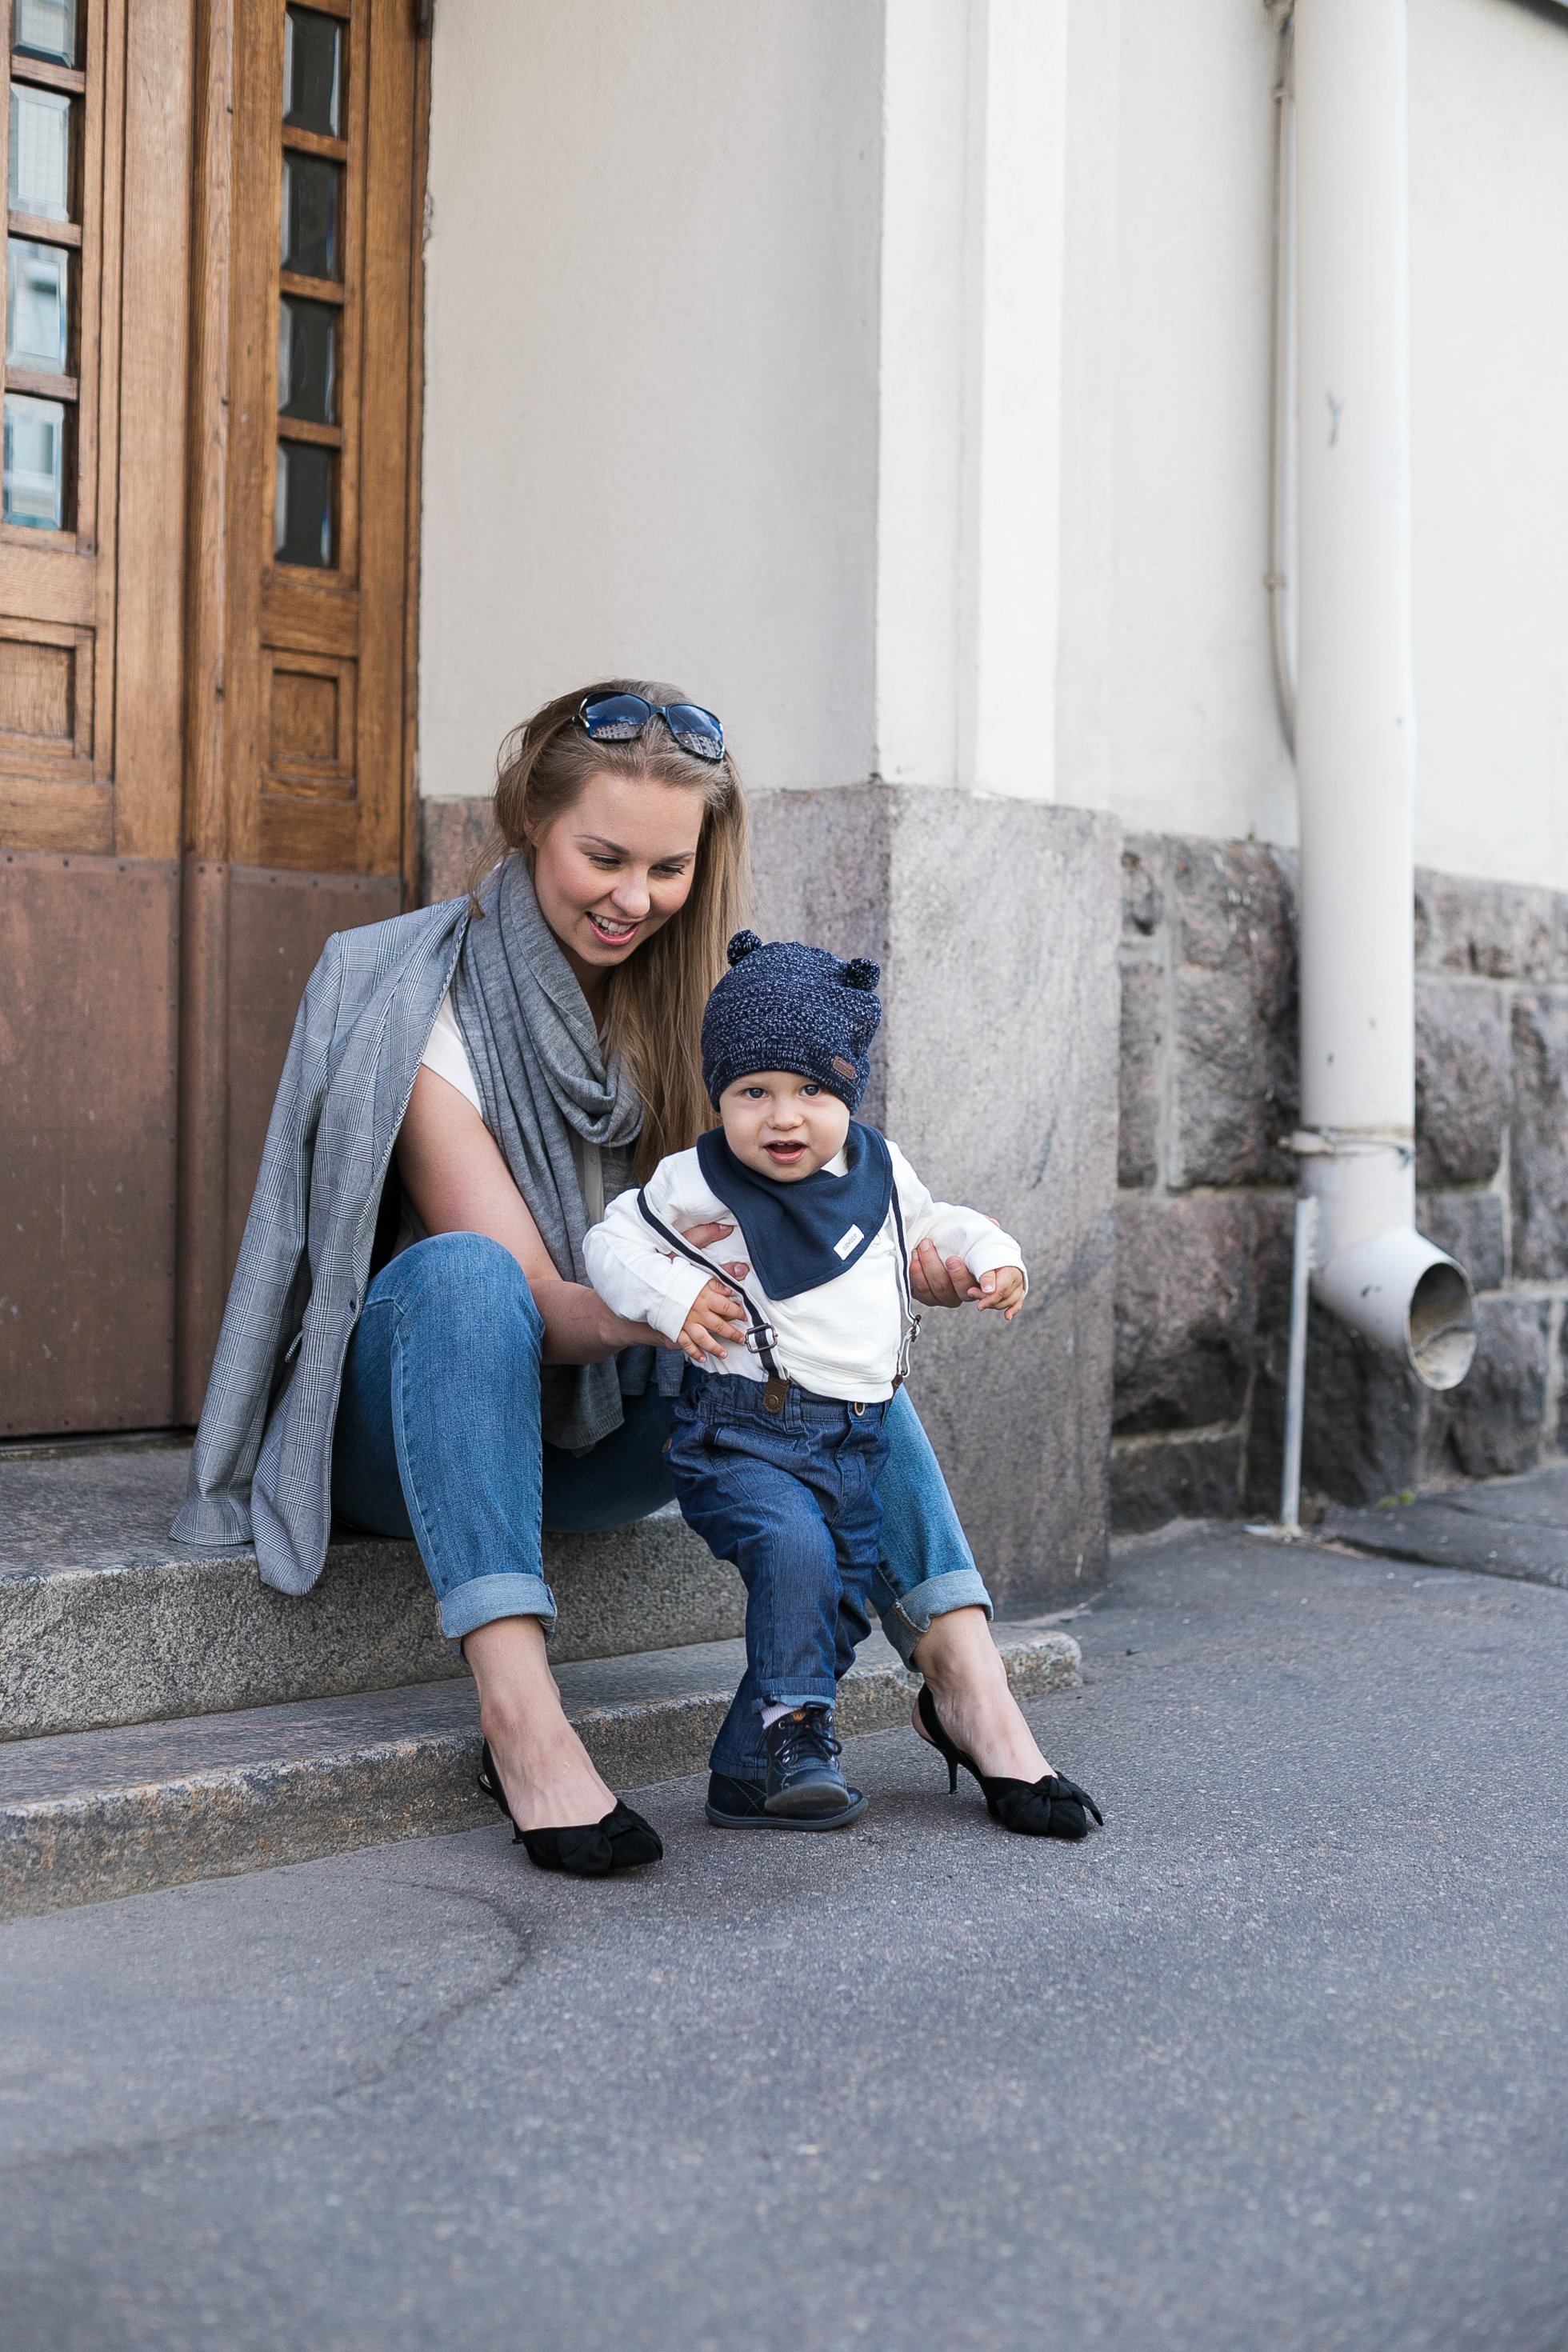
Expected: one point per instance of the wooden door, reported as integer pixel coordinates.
(207, 552)
(91, 563)
(304, 504)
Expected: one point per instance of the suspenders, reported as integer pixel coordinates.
(761, 1339)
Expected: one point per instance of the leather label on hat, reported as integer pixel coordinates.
(845, 1069)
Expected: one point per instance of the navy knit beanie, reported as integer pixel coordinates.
(791, 1007)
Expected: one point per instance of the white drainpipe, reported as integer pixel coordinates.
(1355, 703)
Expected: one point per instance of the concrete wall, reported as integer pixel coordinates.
(651, 370)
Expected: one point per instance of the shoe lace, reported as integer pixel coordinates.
(809, 1739)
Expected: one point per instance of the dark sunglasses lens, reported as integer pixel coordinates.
(616, 718)
(696, 730)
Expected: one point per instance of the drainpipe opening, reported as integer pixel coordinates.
(1442, 1324)
(1403, 1292)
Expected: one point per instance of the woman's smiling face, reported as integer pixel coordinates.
(615, 866)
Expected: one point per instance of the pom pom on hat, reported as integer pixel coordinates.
(744, 943)
(860, 973)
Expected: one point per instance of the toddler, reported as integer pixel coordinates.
(799, 1348)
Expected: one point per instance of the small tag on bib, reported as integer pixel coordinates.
(849, 1241)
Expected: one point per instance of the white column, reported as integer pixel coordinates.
(970, 455)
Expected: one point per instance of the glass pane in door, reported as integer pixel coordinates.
(45, 28)
(302, 519)
(313, 72)
(40, 152)
(37, 305)
(306, 360)
(310, 216)
(35, 462)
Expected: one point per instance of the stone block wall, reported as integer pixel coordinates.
(996, 1070)
(1208, 1087)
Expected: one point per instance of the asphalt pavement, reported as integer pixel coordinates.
(1280, 2060)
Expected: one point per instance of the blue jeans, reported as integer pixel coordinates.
(437, 1438)
(789, 1498)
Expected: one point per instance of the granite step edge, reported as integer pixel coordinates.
(171, 1633)
(87, 1844)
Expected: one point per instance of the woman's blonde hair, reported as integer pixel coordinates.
(654, 1002)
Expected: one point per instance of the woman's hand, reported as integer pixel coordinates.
(937, 1281)
(703, 1237)
(713, 1322)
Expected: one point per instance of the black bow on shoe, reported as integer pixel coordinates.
(621, 1840)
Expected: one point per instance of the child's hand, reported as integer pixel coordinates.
(713, 1323)
(1003, 1287)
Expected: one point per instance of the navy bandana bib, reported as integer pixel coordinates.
(800, 1235)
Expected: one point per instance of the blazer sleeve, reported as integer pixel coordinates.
(262, 1319)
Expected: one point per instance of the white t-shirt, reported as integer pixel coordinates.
(841, 1339)
(446, 1053)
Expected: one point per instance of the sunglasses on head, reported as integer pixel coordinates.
(617, 717)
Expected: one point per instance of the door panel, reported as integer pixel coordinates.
(89, 768)
(88, 1035)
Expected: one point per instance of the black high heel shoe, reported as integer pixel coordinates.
(621, 1840)
(1049, 1807)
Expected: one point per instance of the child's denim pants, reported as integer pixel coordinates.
(438, 1438)
(790, 1497)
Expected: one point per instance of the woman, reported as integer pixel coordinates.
(409, 1339)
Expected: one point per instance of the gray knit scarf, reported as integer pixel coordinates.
(543, 1079)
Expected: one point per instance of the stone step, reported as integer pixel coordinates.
(87, 1816)
(104, 1620)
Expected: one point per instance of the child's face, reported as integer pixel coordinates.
(782, 1126)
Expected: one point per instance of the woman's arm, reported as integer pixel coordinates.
(453, 1172)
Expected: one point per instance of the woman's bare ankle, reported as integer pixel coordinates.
(550, 1780)
(547, 1774)
(976, 1707)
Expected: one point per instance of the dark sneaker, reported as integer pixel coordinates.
(744, 1805)
(803, 1775)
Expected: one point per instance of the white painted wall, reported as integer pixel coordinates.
(973, 218)
(1488, 141)
(1166, 707)
(709, 337)
(651, 370)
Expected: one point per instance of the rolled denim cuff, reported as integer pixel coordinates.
(907, 1615)
(485, 1598)
(801, 1695)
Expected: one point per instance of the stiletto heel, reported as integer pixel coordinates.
(1049, 1807)
(621, 1840)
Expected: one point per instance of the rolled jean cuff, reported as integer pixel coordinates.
(485, 1598)
(909, 1613)
(798, 1695)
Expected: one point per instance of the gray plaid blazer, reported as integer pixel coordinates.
(262, 1467)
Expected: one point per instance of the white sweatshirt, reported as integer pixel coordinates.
(841, 1339)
